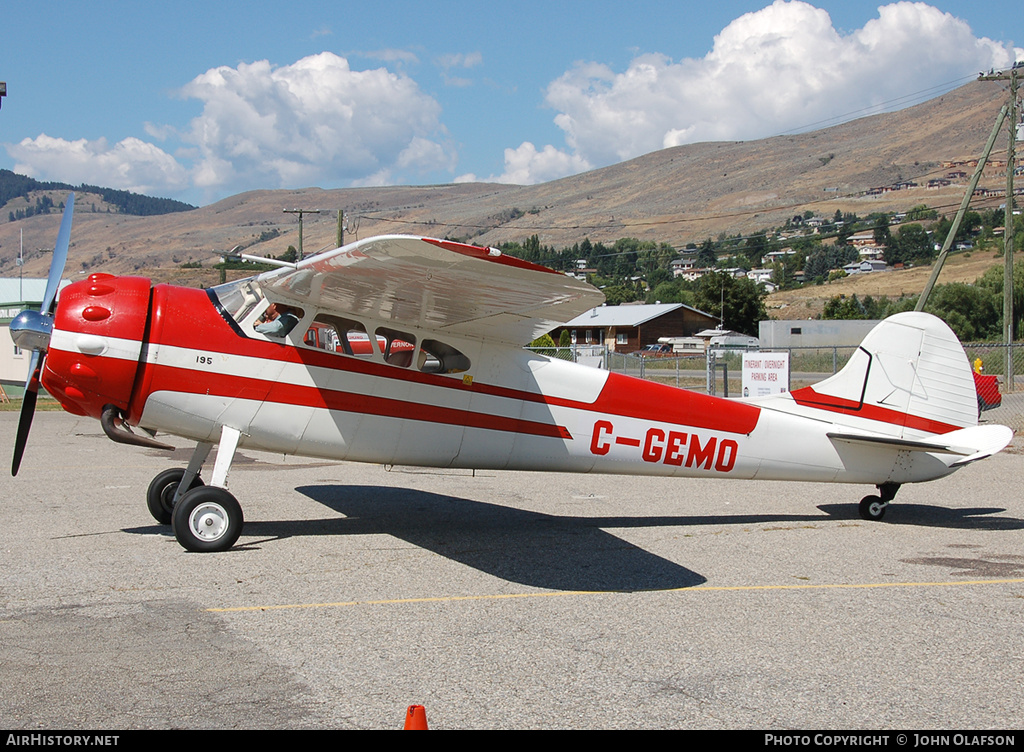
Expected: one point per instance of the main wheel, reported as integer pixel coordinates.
(207, 519)
(160, 496)
(872, 508)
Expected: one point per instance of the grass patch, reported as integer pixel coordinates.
(43, 404)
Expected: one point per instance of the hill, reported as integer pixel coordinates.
(678, 195)
(14, 186)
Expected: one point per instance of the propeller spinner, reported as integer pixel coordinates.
(31, 330)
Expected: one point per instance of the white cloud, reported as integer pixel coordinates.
(460, 60)
(774, 70)
(314, 121)
(131, 164)
(391, 55)
(525, 165)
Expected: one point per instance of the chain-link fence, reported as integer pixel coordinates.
(1002, 401)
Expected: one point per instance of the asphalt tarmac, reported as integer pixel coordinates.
(503, 600)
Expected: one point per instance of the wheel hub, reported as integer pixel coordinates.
(209, 521)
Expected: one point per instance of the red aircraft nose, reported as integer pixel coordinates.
(98, 332)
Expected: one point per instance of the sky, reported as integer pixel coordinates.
(200, 101)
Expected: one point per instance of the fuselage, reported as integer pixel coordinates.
(174, 360)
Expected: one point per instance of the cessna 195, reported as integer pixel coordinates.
(408, 350)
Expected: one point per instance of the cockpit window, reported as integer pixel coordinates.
(239, 299)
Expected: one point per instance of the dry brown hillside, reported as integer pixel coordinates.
(675, 195)
(808, 302)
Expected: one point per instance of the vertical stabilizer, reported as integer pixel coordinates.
(909, 378)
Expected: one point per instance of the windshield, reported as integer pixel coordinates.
(238, 299)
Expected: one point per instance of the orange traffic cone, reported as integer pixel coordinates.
(416, 718)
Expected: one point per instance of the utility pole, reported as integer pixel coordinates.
(1011, 75)
(300, 212)
(341, 227)
(955, 227)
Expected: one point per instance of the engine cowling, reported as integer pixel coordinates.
(98, 333)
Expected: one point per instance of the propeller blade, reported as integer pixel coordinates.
(28, 408)
(60, 255)
(35, 367)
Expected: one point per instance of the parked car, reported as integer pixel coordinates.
(987, 388)
(655, 351)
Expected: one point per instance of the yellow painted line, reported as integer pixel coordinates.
(563, 594)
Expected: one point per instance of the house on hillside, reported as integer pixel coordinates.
(628, 328)
(865, 266)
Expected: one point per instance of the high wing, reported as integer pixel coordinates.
(435, 285)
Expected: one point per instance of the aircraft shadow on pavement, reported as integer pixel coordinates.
(931, 515)
(556, 552)
(540, 550)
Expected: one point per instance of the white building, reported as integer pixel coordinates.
(17, 294)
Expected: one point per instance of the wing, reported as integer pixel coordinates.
(435, 285)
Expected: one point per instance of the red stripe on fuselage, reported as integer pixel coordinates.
(807, 397)
(188, 381)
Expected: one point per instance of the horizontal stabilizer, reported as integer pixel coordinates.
(987, 440)
(971, 444)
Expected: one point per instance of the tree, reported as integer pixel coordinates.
(706, 256)
(657, 277)
(740, 302)
(543, 342)
(914, 244)
(883, 239)
(619, 294)
(971, 311)
(844, 308)
(755, 248)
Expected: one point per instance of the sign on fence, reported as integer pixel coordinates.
(765, 373)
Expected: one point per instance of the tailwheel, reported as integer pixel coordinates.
(872, 508)
(207, 519)
(160, 496)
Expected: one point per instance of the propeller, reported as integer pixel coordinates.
(31, 330)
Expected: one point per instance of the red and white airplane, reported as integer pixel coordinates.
(408, 350)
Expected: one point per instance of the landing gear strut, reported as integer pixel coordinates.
(872, 508)
(203, 518)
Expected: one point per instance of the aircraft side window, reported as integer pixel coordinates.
(438, 357)
(398, 347)
(321, 336)
(341, 335)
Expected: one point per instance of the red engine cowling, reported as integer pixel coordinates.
(97, 340)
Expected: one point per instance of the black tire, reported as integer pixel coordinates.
(160, 496)
(207, 519)
(872, 508)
